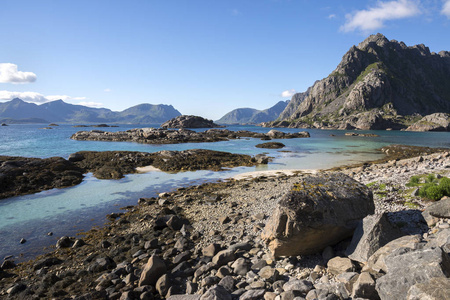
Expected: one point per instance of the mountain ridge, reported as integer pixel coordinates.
(252, 115)
(60, 111)
(378, 84)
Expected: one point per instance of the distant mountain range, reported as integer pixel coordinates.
(379, 84)
(59, 111)
(253, 116)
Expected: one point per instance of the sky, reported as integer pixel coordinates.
(204, 57)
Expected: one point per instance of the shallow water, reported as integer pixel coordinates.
(71, 210)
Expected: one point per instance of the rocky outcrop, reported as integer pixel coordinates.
(186, 121)
(433, 122)
(169, 136)
(378, 84)
(271, 145)
(319, 211)
(21, 175)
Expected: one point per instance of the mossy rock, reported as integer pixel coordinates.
(271, 145)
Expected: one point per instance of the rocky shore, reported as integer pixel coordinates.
(21, 175)
(214, 241)
(170, 136)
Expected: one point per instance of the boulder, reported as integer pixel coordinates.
(406, 267)
(372, 233)
(364, 287)
(376, 262)
(439, 209)
(318, 211)
(154, 269)
(436, 288)
(217, 292)
(271, 145)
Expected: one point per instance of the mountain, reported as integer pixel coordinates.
(60, 111)
(378, 84)
(253, 116)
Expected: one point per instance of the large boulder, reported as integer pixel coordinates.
(439, 209)
(437, 288)
(153, 270)
(318, 211)
(406, 267)
(372, 233)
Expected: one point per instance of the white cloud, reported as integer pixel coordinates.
(107, 90)
(37, 98)
(332, 16)
(288, 93)
(91, 104)
(446, 9)
(374, 18)
(10, 74)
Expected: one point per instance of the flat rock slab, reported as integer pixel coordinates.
(318, 211)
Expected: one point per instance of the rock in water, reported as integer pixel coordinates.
(433, 122)
(319, 211)
(185, 121)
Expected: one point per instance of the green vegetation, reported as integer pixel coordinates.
(433, 188)
(413, 181)
(371, 184)
(369, 68)
(382, 186)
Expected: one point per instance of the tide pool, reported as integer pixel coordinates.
(71, 210)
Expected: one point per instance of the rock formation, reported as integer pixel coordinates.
(185, 121)
(433, 122)
(378, 84)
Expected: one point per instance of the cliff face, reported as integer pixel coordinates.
(378, 84)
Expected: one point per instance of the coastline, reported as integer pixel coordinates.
(246, 200)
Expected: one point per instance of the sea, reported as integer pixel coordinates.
(74, 210)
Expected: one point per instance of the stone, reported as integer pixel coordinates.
(78, 243)
(163, 285)
(291, 295)
(184, 297)
(372, 233)
(228, 283)
(319, 211)
(269, 273)
(376, 262)
(364, 287)
(64, 242)
(327, 254)
(223, 257)
(223, 271)
(188, 121)
(216, 293)
(175, 223)
(412, 266)
(154, 269)
(211, 250)
(436, 288)
(303, 286)
(240, 266)
(183, 256)
(253, 295)
(8, 264)
(338, 265)
(433, 122)
(439, 209)
(348, 279)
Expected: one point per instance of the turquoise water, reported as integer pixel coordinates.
(71, 210)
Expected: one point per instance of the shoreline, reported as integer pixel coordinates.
(246, 199)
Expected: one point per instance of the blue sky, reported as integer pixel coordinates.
(203, 57)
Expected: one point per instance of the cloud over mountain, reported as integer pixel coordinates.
(37, 98)
(9, 73)
(375, 17)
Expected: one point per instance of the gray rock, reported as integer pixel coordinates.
(338, 265)
(184, 297)
(223, 257)
(319, 211)
(154, 269)
(439, 209)
(211, 250)
(433, 122)
(291, 295)
(364, 287)
(376, 263)
(436, 288)
(64, 242)
(240, 266)
(303, 286)
(372, 233)
(252, 295)
(228, 283)
(269, 273)
(216, 293)
(412, 266)
(163, 285)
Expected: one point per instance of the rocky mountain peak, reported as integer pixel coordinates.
(377, 39)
